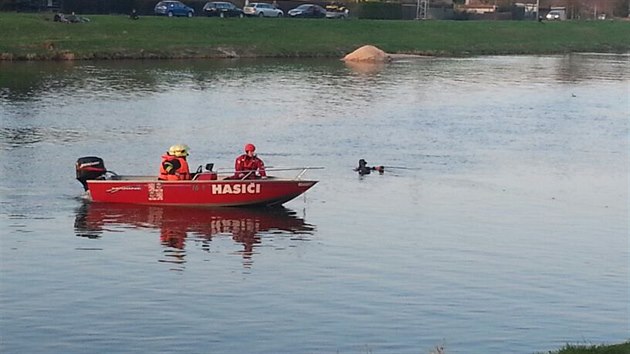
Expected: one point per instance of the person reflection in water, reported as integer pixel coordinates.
(173, 237)
(175, 240)
(247, 236)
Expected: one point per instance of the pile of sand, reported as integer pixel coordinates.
(368, 53)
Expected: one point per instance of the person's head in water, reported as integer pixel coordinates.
(364, 169)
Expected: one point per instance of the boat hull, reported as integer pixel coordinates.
(200, 193)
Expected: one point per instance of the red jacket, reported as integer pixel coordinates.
(245, 164)
(174, 168)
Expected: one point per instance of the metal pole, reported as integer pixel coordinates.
(537, 9)
(417, 9)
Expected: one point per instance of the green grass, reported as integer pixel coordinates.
(36, 36)
(623, 348)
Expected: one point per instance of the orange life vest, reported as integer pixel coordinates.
(182, 173)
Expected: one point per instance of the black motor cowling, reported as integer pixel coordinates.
(90, 167)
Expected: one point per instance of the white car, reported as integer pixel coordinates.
(554, 15)
(262, 9)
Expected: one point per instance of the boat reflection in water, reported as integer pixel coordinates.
(179, 224)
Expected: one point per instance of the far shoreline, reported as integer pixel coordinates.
(35, 37)
(231, 54)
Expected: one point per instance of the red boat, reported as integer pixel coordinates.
(206, 189)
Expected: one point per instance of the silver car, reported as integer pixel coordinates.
(554, 15)
(262, 9)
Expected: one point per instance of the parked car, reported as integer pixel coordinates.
(172, 8)
(308, 10)
(337, 10)
(262, 9)
(222, 9)
(554, 15)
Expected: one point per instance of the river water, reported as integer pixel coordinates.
(504, 228)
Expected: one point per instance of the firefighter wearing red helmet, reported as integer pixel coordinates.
(246, 165)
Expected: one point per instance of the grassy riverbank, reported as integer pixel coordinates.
(37, 37)
(623, 348)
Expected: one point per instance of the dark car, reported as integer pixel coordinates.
(308, 10)
(222, 9)
(173, 8)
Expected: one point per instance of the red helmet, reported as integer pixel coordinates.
(250, 147)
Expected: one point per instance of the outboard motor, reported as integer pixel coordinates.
(90, 167)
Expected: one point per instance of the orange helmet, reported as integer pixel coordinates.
(250, 147)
